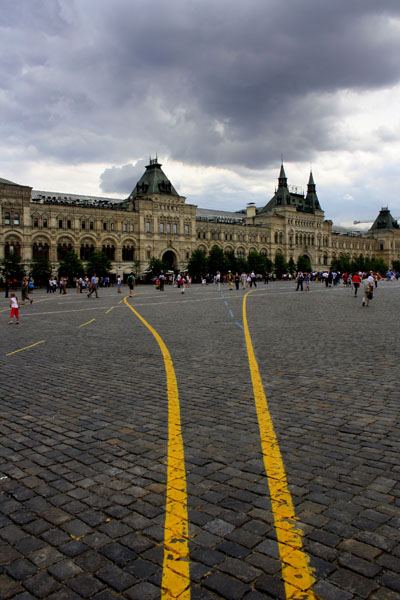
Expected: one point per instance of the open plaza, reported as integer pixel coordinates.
(211, 445)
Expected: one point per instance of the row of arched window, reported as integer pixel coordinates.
(42, 250)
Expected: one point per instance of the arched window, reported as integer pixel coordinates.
(12, 247)
(109, 251)
(86, 250)
(276, 237)
(40, 250)
(16, 219)
(62, 250)
(281, 238)
(128, 253)
(7, 218)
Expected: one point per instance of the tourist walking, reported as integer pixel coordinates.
(368, 290)
(131, 283)
(93, 286)
(24, 291)
(356, 279)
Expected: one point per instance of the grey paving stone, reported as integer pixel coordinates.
(143, 591)
(41, 585)
(225, 586)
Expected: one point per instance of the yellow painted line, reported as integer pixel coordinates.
(109, 310)
(87, 323)
(296, 571)
(26, 347)
(175, 577)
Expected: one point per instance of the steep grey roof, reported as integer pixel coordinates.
(7, 182)
(384, 220)
(153, 181)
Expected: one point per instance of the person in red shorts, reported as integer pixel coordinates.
(14, 305)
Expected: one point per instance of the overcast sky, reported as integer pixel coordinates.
(89, 89)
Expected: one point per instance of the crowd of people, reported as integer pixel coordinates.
(366, 282)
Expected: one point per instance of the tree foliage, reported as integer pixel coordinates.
(231, 261)
(344, 264)
(291, 266)
(217, 260)
(304, 264)
(280, 265)
(99, 264)
(40, 270)
(198, 265)
(396, 266)
(156, 266)
(12, 268)
(257, 262)
(71, 266)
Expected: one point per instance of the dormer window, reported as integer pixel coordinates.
(165, 187)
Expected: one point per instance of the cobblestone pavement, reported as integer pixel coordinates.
(84, 432)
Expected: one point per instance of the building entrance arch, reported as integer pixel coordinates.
(169, 258)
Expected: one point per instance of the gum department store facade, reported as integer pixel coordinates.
(156, 221)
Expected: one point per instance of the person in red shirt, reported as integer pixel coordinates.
(356, 279)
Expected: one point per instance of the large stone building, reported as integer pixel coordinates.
(156, 221)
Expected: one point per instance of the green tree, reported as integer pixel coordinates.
(242, 265)
(40, 270)
(342, 264)
(291, 266)
(358, 264)
(71, 266)
(137, 265)
(303, 264)
(280, 265)
(156, 266)
(99, 264)
(11, 267)
(231, 261)
(379, 266)
(257, 262)
(198, 265)
(216, 260)
(395, 266)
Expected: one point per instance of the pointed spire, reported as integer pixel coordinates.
(282, 179)
(311, 184)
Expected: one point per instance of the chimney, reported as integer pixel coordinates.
(250, 210)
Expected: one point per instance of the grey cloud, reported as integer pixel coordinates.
(121, 180)
(211, 83)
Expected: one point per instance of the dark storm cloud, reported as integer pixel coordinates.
(211, 83)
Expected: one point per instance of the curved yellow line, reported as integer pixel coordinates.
(296, 572)
(175, 577)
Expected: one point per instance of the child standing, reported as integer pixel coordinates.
(14, 305)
